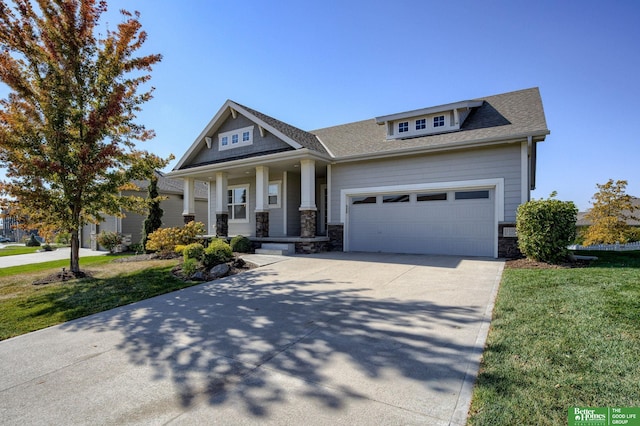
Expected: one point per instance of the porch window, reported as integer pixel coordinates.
(274, 194)
(237, 203)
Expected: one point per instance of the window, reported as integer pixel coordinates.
(421, 124)
(237, 203)
(235, 138)
(438, 121)
(435, 196)
(404, 198)
(403, 127)
(471, 195)
(274, 194)
(363, 200)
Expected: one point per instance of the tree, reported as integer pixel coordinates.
(154, 218)
(545, 229)
(67, 127)
(611, 210)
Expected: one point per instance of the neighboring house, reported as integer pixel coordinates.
(635, 201)
(445, 179)
(131, 224)
(10, 228)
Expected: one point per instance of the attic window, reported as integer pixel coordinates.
(421, 124)
(235, 138)
(403, 127)
(438, 121)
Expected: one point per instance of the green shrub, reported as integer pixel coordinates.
(218, 252)
(189, 267)
(32, 242)
(109, 240)
(545, 229)
(47, 247)
(240, 244)
(179, 249)
(136, 248)
(193, 251)
(633, 234)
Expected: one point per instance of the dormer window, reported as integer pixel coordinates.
(421, 124)
(438, 121)
(235, 138)
(403, 127)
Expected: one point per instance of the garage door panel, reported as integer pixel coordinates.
(457, 227)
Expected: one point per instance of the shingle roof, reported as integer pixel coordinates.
(306, 139)
(172, 186)
(514, 114)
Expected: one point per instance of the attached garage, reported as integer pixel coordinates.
(459, 221)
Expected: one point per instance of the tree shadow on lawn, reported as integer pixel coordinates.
(231, 339)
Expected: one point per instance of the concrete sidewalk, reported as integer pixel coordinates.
(46, 256)
(335, 338)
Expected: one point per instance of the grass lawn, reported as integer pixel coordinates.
(561, 338)
(13, 250)
(25, 307)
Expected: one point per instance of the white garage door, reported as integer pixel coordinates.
(460, 222)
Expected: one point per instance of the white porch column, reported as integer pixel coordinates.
(308, 210)
(222, 212)
(211, 207)
(262, 189)
(308, 184)
(189, 201)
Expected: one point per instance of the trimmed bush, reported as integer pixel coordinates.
(218, 252)
(109, 240)
(189, 267)
(193, 251)
(240, 244)
(179, 249)
(545, 229)
(32, 242)
(165, 240)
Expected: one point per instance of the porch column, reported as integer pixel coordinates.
(308, 208)
(262, 201)
(222, 212)
(211, 206)
(189, 201)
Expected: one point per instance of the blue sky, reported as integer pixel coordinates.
(323, 63)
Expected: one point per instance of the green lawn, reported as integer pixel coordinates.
(561, 338)
(13, 250)
(25, 307)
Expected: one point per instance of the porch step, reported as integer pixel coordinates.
(277, 248)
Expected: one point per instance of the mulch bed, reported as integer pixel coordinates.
(62, 276)
(533, 264)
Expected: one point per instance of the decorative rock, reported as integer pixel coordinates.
(219, 271)
(198, 276)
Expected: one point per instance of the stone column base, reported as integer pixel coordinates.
(308, 223)
(336, 237)
(508, 242)
(222, 224)
(262, 224)
(188, 218)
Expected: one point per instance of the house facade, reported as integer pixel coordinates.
(445, 179)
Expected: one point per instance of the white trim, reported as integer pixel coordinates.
(211, 206)
(247, 209)
(284, 202)
(497, 184)
(239, 133)
(329, 187)
(524, 172)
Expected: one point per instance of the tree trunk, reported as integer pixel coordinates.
(75, 252)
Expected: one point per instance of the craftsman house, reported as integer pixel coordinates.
(444, 179)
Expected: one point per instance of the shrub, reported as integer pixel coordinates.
(218, 252)
(240, 244)
(136, 248)
(32, 242)
(193, 251)
(166, 239)
(546, 228)
(109, 240)
(189, 267)
(633, 235)
(179, 249)
(62, 238)
(47, 247)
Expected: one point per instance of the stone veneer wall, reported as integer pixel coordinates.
(309, 247)
(262, 224)
(308, 223)
(336, 237)
(507, 245)
(188, 218)
(222, 225)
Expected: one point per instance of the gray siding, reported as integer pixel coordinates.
(276, 215)
(260, 144)
(484, 163)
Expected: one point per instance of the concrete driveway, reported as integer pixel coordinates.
(335, 338)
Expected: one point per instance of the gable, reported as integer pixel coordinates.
(262, 143)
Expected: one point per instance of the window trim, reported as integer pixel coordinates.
(403, 127)
(231, 188)
(235, 138)
(439, 121)
(278, 204)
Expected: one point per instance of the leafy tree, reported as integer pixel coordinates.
(545, 229)
(154, 218)
(67, 127)
(612, 207)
